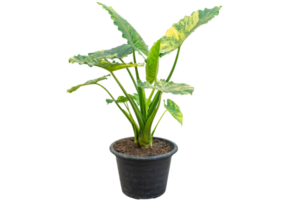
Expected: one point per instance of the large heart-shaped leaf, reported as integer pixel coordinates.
(176, 35)
(117, 52)
(90, 82)
(128, 32)
(174, 109)
(168, 87)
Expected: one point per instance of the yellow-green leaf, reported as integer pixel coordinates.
(176, 35)
(116, 66)
(174, 109)
(121, 99)
(117, 52)
(90, 82)
(152, 64)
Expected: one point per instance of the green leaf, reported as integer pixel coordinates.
(90, 82)
(116, 66)
(100, 59)
(168, 87)
(128, 32)
(120, 51)
(173, 108)
(153, 62)
(122, 99)
(176, 35)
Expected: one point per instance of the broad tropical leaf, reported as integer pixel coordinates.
(176, 35)
(90, 82)
(128, 32)
(121, 99)
(120, 51)
(173, 108)
(168, 87)
(93, 58)
(152, 64)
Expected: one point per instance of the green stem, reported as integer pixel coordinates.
(128, 108)
(158, 122)
(174, 64)
(134, 107)
(142, 97)
(134, 125)
(131, 78)
(136, 69)
(149, 97)
(146, 138)
(140, 91)
(154, 103)
(126, 114)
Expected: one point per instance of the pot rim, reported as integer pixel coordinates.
(169, 154)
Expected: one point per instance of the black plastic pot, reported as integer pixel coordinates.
(144, 177)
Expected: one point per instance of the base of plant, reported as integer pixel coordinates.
(128, 147)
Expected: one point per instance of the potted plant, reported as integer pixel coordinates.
(143, 160)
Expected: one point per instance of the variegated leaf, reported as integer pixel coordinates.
(176, 35)
(90, 82)
(128, 32)
(174, 109)
(120, 51)
(121, 99)
(168, 87)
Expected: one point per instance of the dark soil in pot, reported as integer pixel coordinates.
(127, 147)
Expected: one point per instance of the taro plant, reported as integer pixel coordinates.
(144, 108)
